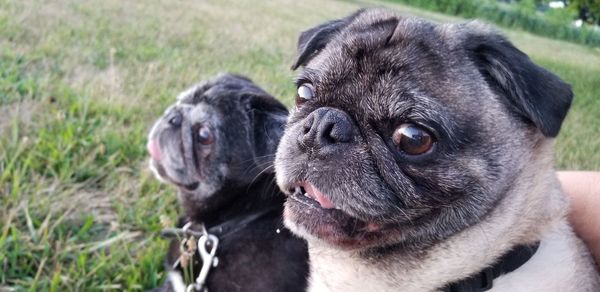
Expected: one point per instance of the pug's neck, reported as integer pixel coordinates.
(533, 206)
(234, 200)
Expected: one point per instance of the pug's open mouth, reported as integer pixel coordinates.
(314, 212)
(307, 190)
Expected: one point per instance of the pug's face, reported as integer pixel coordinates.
(221, 134)
(406, 132)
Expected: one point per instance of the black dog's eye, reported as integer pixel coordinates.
(412, 139)
(306, 92)
(205, 136)
(176, 120)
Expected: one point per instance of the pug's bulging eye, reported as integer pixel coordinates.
(306, 92)
(205, 136)
(412, 139)
(176, 120)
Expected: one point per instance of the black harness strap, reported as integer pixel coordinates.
(238, 223)
(223, 229)
(484, 280)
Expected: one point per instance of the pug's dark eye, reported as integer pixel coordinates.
(205, 136)
(306, 92)
(412, 139)
(176, 120)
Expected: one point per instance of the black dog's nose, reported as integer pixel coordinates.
(326, 127)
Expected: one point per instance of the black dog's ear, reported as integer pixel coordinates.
(316, 38)
(268, 117)
(536, 94)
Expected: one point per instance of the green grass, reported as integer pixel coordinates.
(80, 84)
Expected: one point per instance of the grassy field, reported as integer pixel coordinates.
(80, 84)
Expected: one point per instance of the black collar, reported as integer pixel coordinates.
(507, 263)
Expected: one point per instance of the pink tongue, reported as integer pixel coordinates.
(154, 150)
(318, 196)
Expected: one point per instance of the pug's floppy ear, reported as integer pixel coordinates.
(536, 94)
(268, 117)
(316, 38)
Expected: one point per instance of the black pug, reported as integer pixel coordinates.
(216, 144)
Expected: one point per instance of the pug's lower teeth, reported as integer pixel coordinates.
(301, 191)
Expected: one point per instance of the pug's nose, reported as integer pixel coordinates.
(326, 127)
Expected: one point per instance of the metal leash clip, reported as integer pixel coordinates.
(188, 246)
(207, 246)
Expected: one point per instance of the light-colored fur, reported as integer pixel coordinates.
(534, 209)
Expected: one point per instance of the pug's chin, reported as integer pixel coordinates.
(161, 174)
(308, 219)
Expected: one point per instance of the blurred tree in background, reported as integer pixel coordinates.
(549, 18)
(588, 10)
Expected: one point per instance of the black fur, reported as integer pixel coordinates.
(263, 256)
(316, 38)
(230, 177)
(536, 94)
